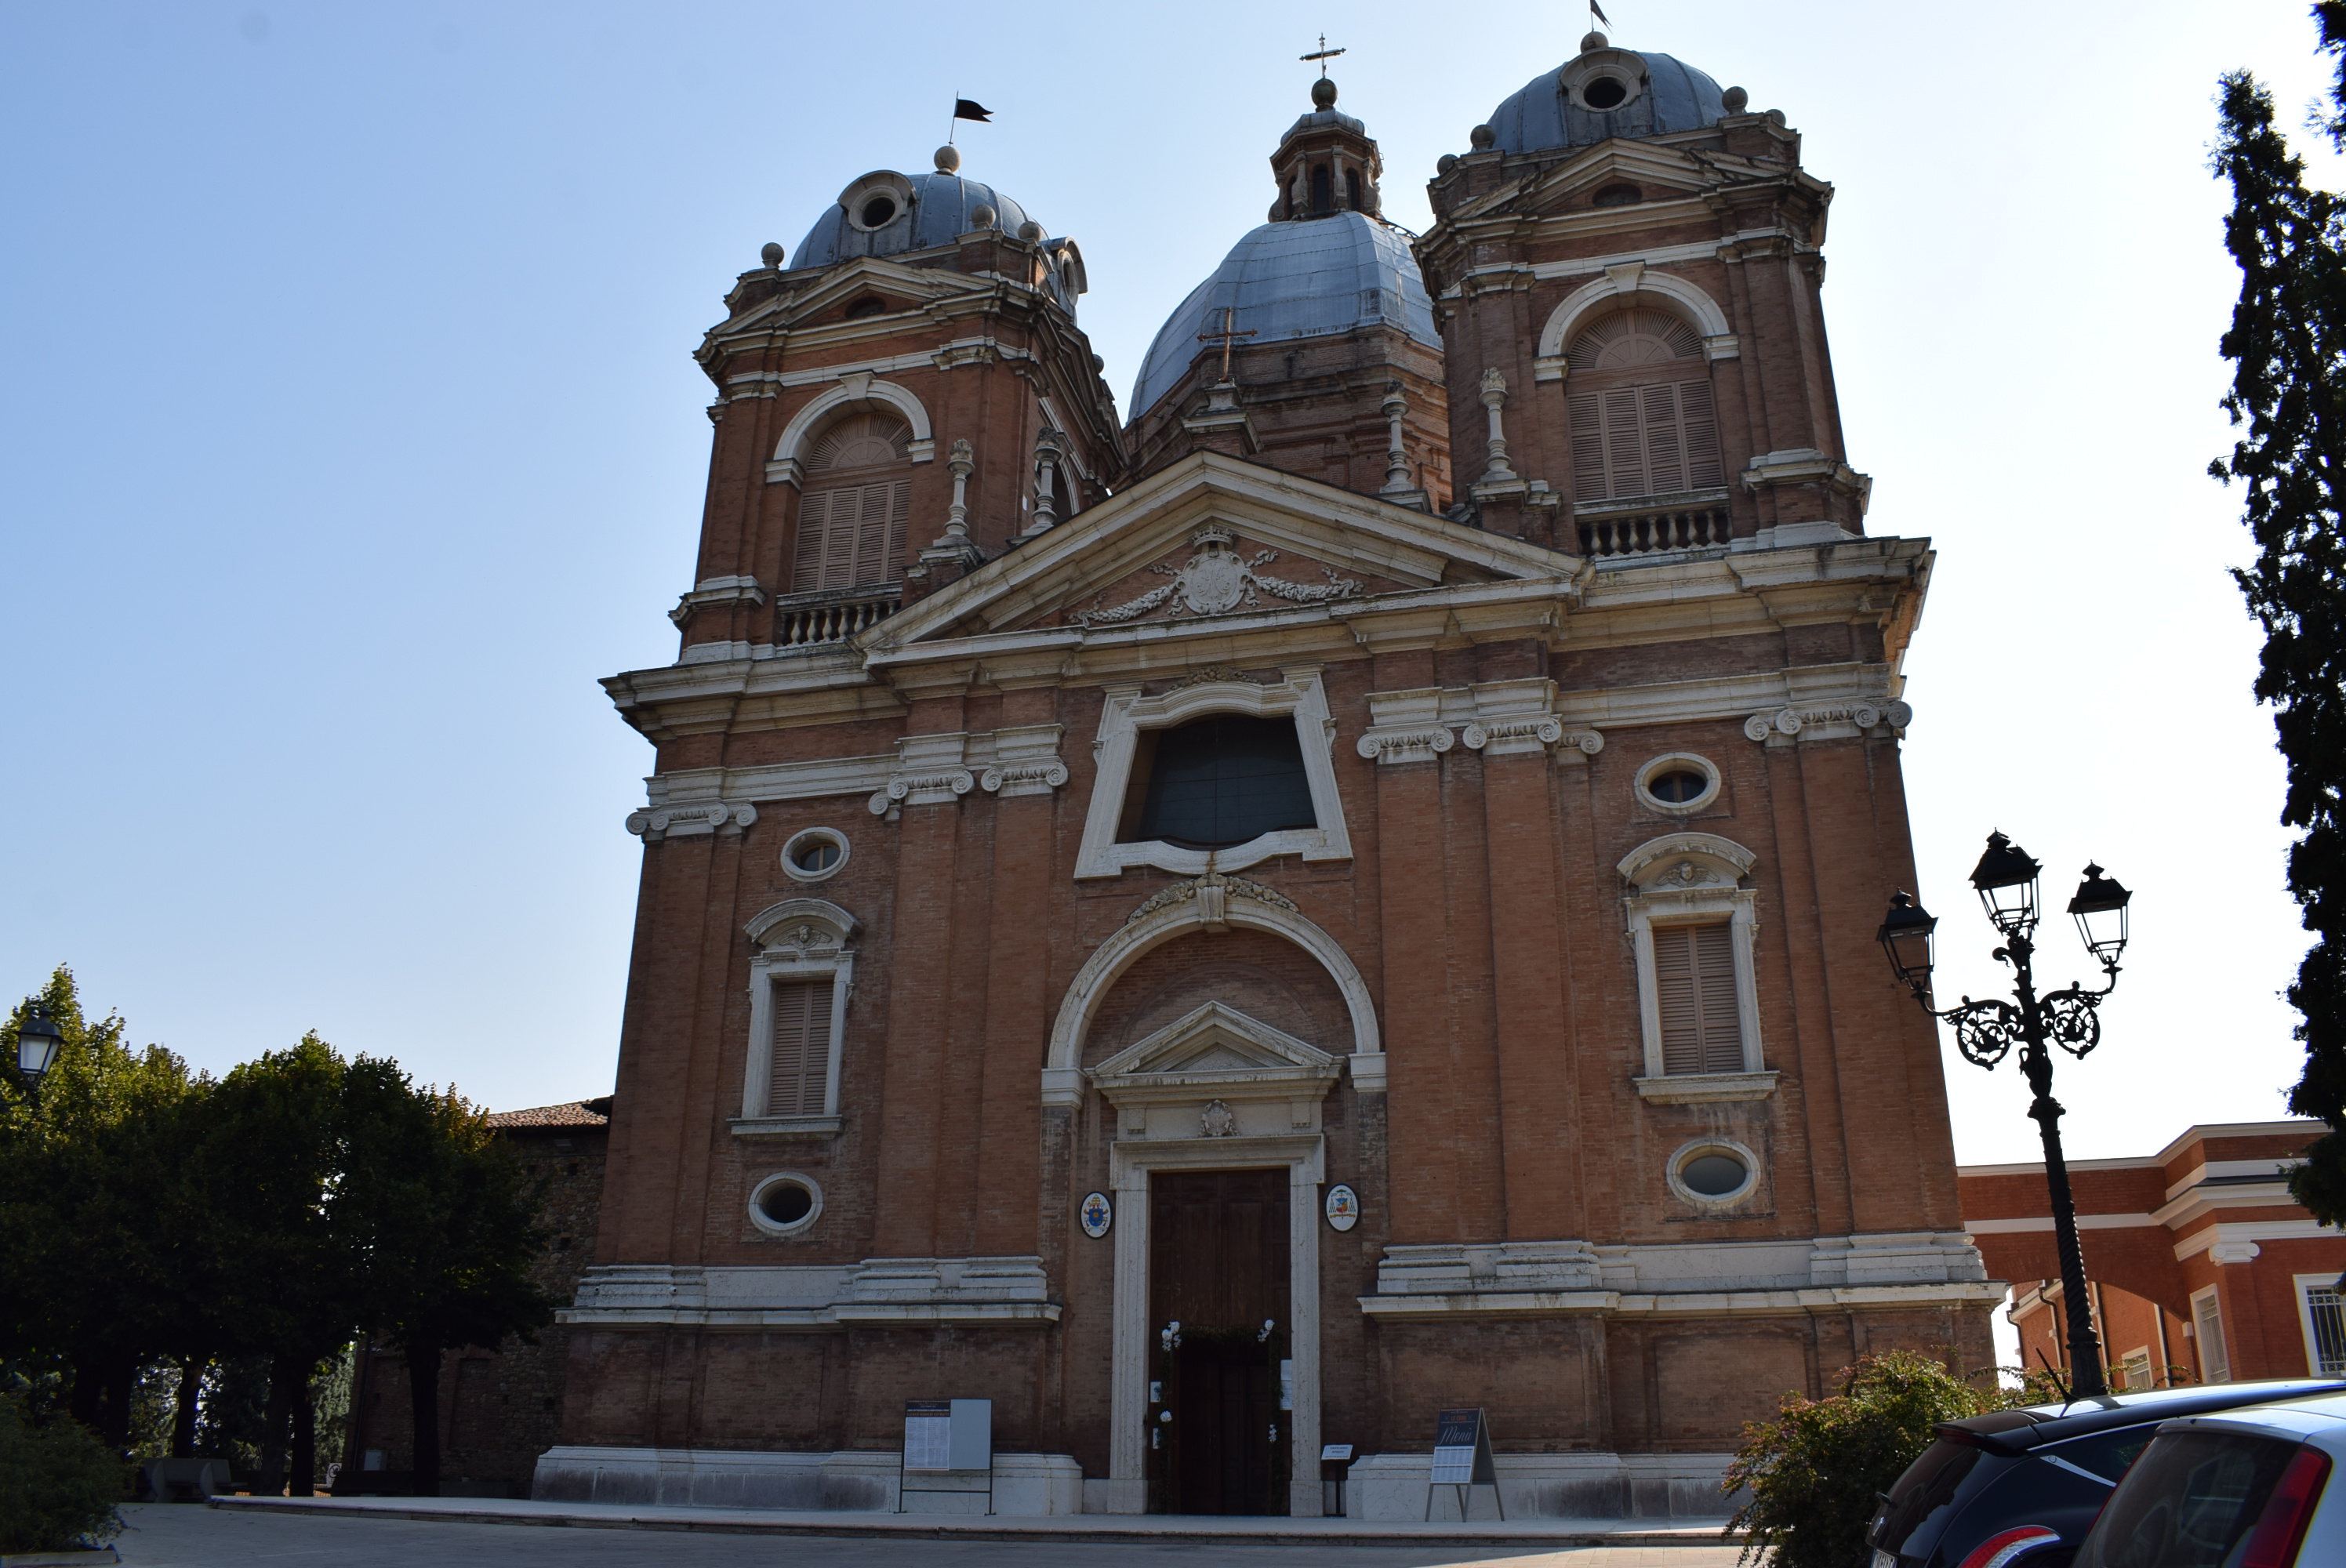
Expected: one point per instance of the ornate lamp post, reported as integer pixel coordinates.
(1985, 1032)
(37, 1040)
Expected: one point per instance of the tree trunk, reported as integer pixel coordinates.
(284, 1376)
(88, 1389)
(423, 1407)
(304, 1480)
(114, 1415)
(183, 1413)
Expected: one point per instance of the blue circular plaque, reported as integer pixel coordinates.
(1096, 1214)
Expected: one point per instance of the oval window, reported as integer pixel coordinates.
(877, 211)
(1714, 1175)
(1678, 786)
(1604, 93)
(814, 854)
(786, 1203)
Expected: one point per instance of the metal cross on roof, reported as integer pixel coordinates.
(1226, 337)
(1324, 56)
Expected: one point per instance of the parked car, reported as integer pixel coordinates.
(2019, 1489)
(2244, 1489)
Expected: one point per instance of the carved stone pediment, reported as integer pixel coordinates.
(1217, 1072)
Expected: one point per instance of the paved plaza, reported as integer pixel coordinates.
(184, 1536)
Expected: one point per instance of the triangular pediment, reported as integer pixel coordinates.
(1213, 537)
(1215, 1042)
(907, 287)
(1660, 171)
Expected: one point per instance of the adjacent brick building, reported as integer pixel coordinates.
(2201, 1266)
(1349, 895)
(499, 1408)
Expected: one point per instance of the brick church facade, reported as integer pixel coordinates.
(1343, 890)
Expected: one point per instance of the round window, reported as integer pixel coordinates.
(1604, 93)
(785, 1203)
(1679, 786)
(880, 209)
(1679, 783)
(1715, 1174)
(814, 855)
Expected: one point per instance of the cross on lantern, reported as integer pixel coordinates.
(1226, 337)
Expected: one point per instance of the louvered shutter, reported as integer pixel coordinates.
(1694, 987)
(802, 1059)
(900, 509)
(1700, 428)
(1665, 459)
(1623, 444)
(814, 517)
(1587, 422)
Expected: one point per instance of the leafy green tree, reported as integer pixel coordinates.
(2288, 344)
(87, 1170)
(57, 1482)
(441, 1220)
(1817, 1471)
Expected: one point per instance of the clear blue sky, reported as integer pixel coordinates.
(350, 431)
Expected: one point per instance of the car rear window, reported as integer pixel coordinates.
(1924, 1494)
(2187, 1501)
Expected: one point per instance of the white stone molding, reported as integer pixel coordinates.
(1164, 917)
(1807, 465)
(1673, 762)
(691, 820)
(1829, 721)
(1130, 1163)
(1513, 717)
(1705, 1088)
(1298, 696)
(929, 772)
(1025, 762)
(881, 1291)
(1215, 580)
(2236, 1241)
(856, 390)
(1680, 1280)
(804, 1222)
(1626, 284)
(1405, 727)
(713, 591)
(1268, 1083)
(1694, 1149)
(1691, 878)
(798, 940)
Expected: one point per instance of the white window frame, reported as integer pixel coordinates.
(2150, 1367)
(1695, 879)
(2302, 1283)
(2211, 1295)
(1297, 695)
(798, 940)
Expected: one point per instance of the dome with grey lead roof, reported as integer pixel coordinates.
(1669, 96)
(923, 211)
(1304, 278)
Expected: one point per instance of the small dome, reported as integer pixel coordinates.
(1296, 280)
(1557, 108)
(924, 211)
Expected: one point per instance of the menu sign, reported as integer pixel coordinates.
(1462, 1450)
(928, 1434)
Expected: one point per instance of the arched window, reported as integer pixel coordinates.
(1217, 783)
(1352, 190)
(1640, 409)
(859, 492)
(1323, 200)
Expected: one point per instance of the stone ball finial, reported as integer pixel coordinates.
(1324, 94)
(1444, 165)
(1098, 364)
(1592, 41)
(1734, 99)
(1484, 137)
(948, 159)
(771, 255)
(1031, 232)
(982, 215)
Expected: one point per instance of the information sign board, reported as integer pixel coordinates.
(1462, 1457)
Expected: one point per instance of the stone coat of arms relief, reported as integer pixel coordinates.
(1215, 581)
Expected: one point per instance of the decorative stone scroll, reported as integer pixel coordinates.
(1404, 745)
(922, 789)
(1025, 762)
(1217, 581)
(1862, 715)
(1212, 891)
(653, 824)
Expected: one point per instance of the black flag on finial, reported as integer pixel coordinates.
(964, 110)
(1598, 12)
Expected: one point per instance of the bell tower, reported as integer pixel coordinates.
(1628, 268)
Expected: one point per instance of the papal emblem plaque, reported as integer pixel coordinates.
(1343, 1208)
(1096, 1215)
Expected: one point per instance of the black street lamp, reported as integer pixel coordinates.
(37, 1040)
(1985, 1032)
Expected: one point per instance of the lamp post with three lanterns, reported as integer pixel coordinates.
(1985, 1032)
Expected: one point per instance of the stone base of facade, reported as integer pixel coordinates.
(1024, 1485)
(1393, 1486)
(1383, 1487)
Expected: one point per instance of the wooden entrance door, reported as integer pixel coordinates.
(1218, 1263)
